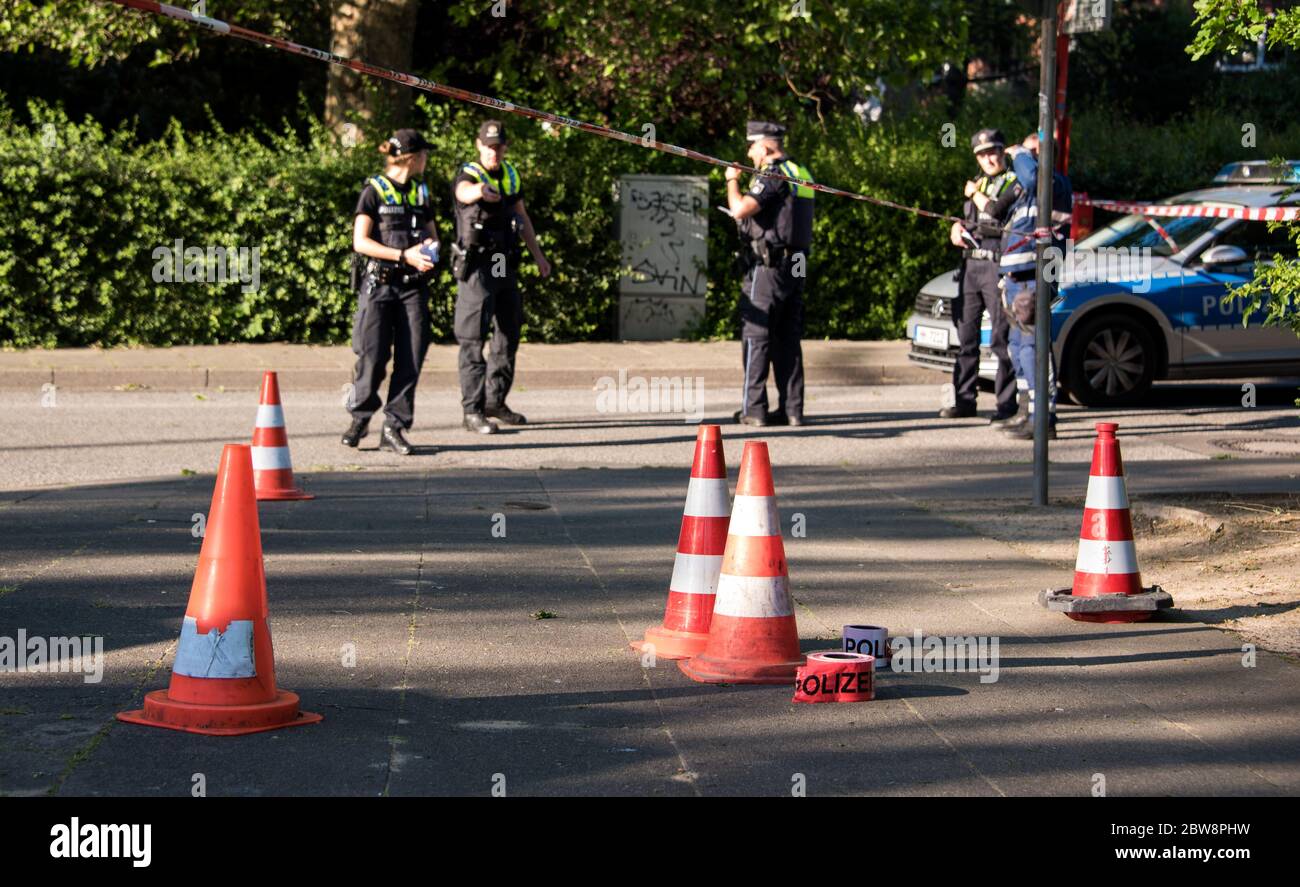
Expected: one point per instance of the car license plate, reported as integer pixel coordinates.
(931, 337)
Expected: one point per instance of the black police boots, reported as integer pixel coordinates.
(393, 439)
(760, 421)
(504, 414)
(780, 417)
(478, 423)
(357, 430)
(958, 411)
(1009, 420)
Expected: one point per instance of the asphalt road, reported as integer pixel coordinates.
(457, 689)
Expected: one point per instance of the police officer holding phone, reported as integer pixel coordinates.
(395, 243)
(491, 218)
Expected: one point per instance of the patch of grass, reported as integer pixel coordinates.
(200, 397)
(130, 386)
(1221, 457)
(544, 614)
(188, 472)
(7, 589)
(14, 711)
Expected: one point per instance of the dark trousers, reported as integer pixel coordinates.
(771, 313)
(484, 301)
(396, 322)
(977, 292)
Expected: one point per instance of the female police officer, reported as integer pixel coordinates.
(395, 232)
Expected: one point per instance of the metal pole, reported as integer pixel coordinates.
(1043, 298)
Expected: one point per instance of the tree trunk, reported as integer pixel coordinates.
(381, 32)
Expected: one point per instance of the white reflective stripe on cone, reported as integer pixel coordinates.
(270, 415)
(707, 497)
(754, 516)
(755, 597)
(696, 573)
(270, 458)
(1106, 492)
(1093, 555)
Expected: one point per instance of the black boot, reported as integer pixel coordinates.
(393, 439)
(504, 414)
(759, 420)
(1018, 419)
(357, 430)
(479, 424)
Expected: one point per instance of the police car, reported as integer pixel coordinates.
(1141, 299)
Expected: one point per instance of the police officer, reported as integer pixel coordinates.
(775, 221)
(394, 230)
(490, 219)
(979, 236)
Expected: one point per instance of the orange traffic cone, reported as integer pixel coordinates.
(700, 547)
(1107, 584)
(223, 678)
(753, 638)
(272, 469)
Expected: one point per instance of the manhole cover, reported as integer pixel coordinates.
(1274, 447)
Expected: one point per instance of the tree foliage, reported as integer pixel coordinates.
(1229, 26)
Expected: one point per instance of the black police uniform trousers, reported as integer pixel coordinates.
(484, 300)
(771, 313)
(390, 319)
(977, 292)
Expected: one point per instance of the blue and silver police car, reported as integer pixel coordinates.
(1141, 299)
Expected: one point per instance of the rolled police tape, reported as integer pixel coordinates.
(1166, 210)
(835, 676)
(871, 640)
(463, 95)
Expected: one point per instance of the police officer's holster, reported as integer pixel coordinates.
(977, 292)
(772, 320)
(390, 317)
(488, 297)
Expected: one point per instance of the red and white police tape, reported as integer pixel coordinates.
(1175, 210)
(464, 95)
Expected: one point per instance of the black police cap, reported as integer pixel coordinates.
(407, 141)
(492, 132)
(987, 140)
(761, 129)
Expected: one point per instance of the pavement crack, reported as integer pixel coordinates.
(684, 773)
(84, 753)
(395, 739)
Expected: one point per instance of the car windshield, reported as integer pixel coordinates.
(1136, 232)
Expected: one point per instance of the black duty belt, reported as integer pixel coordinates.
(991, 255)
(393, 274)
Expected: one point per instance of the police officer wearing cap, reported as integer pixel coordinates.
(395, 242)
(775, 220)
(979, 235)
(490, 220)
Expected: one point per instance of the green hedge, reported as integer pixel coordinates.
(76, 259)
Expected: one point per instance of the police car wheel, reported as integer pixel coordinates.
(1111, 361)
